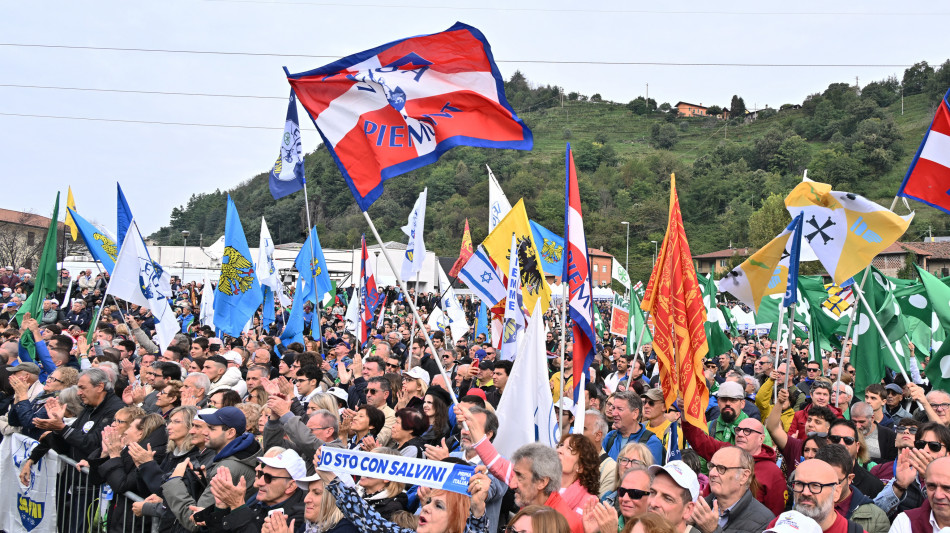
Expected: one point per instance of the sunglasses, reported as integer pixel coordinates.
(838, 439)
(269, 478)
(633, 494)
(933, 446)
(649, 402)
(813, 369)
(819, 434)
(907, 429)
(372, 391)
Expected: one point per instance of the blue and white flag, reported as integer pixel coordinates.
(287, 176)
(140, 281)
(123, 214)
(206, 316)
(416, 248)
(794, 258)
(498, 204)
(406, 470)
(452, 308)
(293, 330)
(239, 293)
(551, 248)
(268, 276)
(101, 244)
(312, 267)
(481, 321)
(514, 316)
(481, 276)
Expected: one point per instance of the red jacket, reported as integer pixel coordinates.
(773, 490)
(797, 429)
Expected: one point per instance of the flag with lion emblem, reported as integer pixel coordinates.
(239, 293)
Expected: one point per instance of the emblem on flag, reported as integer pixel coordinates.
(237, 273)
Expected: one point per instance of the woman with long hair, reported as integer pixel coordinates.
(538, 519)
(580, 471)
(407, 432)
(435, 405)
(366, 422)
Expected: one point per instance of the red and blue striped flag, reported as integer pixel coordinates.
(928, 178)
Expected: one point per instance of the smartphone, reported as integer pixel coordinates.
(475, 363)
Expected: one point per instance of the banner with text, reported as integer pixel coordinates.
(435, 474)
(31, 508)
(619, 316)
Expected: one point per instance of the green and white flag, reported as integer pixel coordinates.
(598, 324)
(870, 354)
(619, 273)
(636, 325)
(716, 338)
(938, 295)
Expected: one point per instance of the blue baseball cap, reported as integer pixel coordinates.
(230, 417)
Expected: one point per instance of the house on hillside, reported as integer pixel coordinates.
(601, 264)
(686, 109)
(717, 262)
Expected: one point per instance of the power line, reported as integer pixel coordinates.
(131, 91)
(130, 121)
(529, 61)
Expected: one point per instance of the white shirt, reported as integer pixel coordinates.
(902, 525)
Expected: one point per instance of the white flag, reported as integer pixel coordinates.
(514, 316)
(206, 317)
(498, 204)
(139, 280)
(529, 395)
(452, 308)
(267, 272)
(619, 273)
(416, 249)
(352, 316)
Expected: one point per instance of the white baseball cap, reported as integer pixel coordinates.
(339, 393)
(289, 461)
(565, 404)
(233, 357)
(794, 522)
(682, 475)
(417, 372)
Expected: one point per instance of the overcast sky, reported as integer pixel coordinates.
(142, 140)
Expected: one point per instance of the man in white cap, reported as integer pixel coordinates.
(565, 412)
(277, 489)
(50, 312)
(794, 522)
(673, 494)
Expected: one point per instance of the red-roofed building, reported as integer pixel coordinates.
(21, 238)
(600, 268)
(718, 262)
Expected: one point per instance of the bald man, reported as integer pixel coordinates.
(936, 509)
(750, 436)
(814, 486)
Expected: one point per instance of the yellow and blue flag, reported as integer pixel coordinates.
(71, 204)
(100, 243)
(498, 247)
(287, 175)
(238, 294)
(551, 247)
(312, 267)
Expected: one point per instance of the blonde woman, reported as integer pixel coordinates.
(634, 453)
(415, 383)
(387, 497)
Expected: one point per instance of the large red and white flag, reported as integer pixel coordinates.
(577, 274)
(400, 106)
(928, 178)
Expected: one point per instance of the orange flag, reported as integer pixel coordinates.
(674, 301)
(464, 254)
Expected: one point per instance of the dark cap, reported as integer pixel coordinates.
(32, 368)
(440, 393)
(894, 388)
(218, 359)
(230, 417)
(486, 365)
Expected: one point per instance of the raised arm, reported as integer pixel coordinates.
(774, 422)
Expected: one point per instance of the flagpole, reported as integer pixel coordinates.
(880, 330)
(788, 351)
(415, 312)
(564, 296)
(778, 340)
(847, 336)
(636, 353)
(412, 329)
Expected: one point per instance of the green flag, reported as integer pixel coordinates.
(46, 275)
(730, 320)
(716, 338)
(938, 295)
(636, 325)
(598, 324)
(870, 354)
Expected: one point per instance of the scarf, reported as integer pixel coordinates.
(725, 431)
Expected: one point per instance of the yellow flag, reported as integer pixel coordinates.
(70, 223)
(498, 246)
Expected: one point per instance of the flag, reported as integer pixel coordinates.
(928, 178)
(619, 317)
(839, 299)
(70, 223)
(481, 275)
(577, 273)
(845, 231)
(636, 326)
(293, 329)
(763, 274)
(716, 338)
(437, 320)
(267, 274)
(123, 214)
(287, 175)
(526, 413)
(352, 316)
(206, 316)
(312, 267)
(794, 258)
(101, 243)
(638, 286)
(869, 354)
(481, 321)
(619, 273)
(416, 248)
(599, 328)
(400, 106)
(551, 247)
(498, 204)
(452, 308)
(382, 315)
(464, 254)
(45, 281)
(239, 293)
(139, 280)
(533, 285)
(514, 315)
(369, 294)
(938, 370)
(679, 337)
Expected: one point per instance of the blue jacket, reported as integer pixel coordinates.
(614, 442)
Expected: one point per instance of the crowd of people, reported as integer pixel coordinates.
(224, 433)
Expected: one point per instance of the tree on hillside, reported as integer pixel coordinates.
(737, 107)
(768, 221)
(884, 92)
(917, 77)
(642, 106)
(663, 135)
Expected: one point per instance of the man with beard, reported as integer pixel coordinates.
(815, 487)
(731, 506)
(879, 440)
(731, 398)
(849, 501)
(622, 364)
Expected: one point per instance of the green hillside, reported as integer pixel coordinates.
(731, 174)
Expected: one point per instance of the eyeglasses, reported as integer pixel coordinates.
(722, 469)
(372, 391)
(120, 421)
(269, 478)
(747, 431)
(54, 380)
(626, 461)
(932, 445)
(851, 372)
(633, 494)
(813, 369)
(940, 406)
(814, 487)
(648, 401)
(907, 429)
(820, 434)
(511, 529)
(838, 439)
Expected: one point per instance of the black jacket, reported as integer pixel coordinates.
(748, 515)
(887, 440)
(85, 435)
(250, 517)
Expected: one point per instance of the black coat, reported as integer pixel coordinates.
(748, 515)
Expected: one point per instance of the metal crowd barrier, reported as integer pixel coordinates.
(83, 508)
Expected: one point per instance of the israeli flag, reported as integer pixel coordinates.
(287, 175)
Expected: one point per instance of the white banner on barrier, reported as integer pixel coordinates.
(31, 508)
